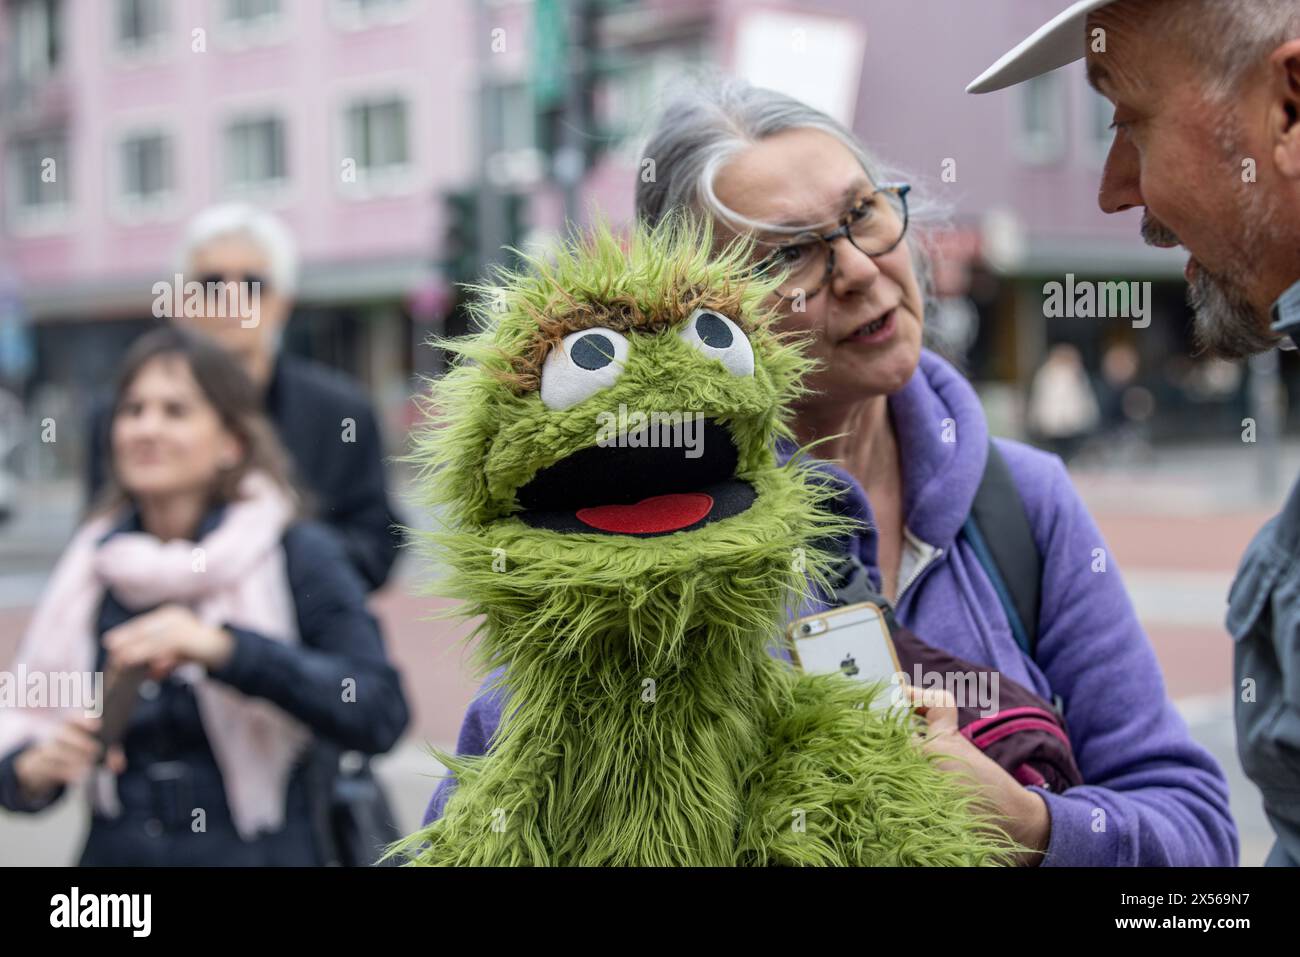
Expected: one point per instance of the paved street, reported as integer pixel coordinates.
(1175, 529)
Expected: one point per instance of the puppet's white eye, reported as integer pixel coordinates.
(586, 362)
(719, 338)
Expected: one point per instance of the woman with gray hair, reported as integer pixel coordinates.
(904, 435)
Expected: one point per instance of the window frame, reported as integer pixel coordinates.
(22, 69)
(261, 31)
(274, 191)
(1049, 147)
(353, 15)
(43, 219)
(129, 209)
(374, 183)
(145, 52)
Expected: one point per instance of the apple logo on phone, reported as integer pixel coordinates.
(849, 666)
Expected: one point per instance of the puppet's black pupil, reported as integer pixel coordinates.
(713, 332)
(593, 352)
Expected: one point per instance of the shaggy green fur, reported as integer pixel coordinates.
(648, 725)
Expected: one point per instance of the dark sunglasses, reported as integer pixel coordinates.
(249, 277)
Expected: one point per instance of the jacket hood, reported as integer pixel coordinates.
(942, 445)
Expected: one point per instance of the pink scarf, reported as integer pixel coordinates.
(234, 576)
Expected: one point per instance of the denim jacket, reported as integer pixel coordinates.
(1264, 620)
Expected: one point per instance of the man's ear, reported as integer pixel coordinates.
(1284, 111)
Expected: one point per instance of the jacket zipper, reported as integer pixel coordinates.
(926, 563)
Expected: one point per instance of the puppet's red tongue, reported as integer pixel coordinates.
(662, 513)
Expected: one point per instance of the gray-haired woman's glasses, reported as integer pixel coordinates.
(875, 226)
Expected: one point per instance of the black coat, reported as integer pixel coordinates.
(310, 406)
(171, 771)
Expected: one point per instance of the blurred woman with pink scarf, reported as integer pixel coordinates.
(247, 622)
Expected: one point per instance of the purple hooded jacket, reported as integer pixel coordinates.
(1153, 797)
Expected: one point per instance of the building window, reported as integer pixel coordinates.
(377, 136)
(39, 174)
(514, 159)
(141, 24)
(255, 153)
(637, 88)
(1042, 126)
(250, 12)
(36, 31)
(355, 14)
(146, 168)
(513, 117)
(249, 23)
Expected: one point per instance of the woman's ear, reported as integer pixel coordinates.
(1284, 113)
(232, 453)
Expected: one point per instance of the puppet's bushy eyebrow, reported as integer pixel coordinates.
(622, 314)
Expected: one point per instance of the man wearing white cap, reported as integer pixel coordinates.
(1207, 142)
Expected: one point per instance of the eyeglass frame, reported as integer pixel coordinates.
(844, 230)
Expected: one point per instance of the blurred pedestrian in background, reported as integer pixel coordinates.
(1063, 410)
(12, 420)
(250, 620)
(323, 419)
(1126, 407)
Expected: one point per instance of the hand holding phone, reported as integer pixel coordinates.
(121, 693)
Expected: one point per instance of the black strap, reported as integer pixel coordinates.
(852, 585)
(999, 531)
(1002, 524)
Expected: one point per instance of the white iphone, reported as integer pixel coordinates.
(853, 641)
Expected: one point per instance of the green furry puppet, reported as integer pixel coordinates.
(631, 581)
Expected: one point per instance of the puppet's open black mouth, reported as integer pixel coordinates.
(644, 490)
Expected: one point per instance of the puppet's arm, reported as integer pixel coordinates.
(845, 785)
(491, 819)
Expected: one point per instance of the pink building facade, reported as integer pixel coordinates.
(351, 118)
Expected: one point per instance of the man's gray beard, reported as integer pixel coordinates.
(1226, 325)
